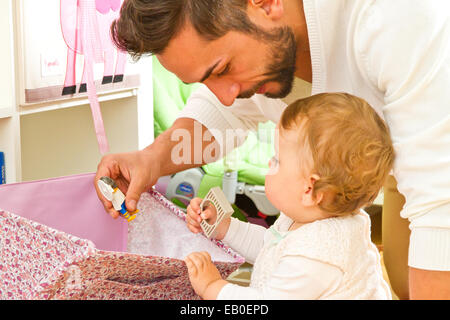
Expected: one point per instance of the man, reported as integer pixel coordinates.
(394, 54)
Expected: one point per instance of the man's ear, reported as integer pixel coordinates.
(309, 197)
(272, 9)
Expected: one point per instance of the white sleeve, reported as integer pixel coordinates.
(245, 238)
(403, 50)
(296, 277)
(229, 125)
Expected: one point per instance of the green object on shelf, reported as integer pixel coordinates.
(170, 96)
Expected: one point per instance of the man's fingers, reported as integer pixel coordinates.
(106, 168)
(135, 189)
(113, 213)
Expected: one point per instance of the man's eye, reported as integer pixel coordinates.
(224, 71)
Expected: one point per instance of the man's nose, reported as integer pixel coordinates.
(225, 91)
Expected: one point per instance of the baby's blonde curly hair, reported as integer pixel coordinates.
(350, 146)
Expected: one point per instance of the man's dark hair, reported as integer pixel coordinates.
(147, 26)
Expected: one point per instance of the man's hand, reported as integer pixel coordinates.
(136, 172)
(133, 172)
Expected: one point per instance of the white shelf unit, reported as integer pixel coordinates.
(58, 105)
(6, 112)
(57, 138)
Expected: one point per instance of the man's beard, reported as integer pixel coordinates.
(282, 69)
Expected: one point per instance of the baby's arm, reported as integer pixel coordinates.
(245, 238)
(295, 277)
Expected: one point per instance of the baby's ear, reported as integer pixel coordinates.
(311, 198)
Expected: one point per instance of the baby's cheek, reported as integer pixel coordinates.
(273, 168)
(271, 190)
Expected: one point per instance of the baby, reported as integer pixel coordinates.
(332, 157)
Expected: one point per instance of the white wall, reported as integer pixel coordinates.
(300, 90)
(63, 142)
(6, 85)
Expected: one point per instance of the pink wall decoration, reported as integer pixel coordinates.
(85, 25)
(54, 49)
(65, 52)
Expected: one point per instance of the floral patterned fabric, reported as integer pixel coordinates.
(38, 262)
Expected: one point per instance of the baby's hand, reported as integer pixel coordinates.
(195, 216)
(202, 273)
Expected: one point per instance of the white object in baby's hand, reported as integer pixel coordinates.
(223, 208)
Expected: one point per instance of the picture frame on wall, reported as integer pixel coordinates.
(66, 51)
(55, 38)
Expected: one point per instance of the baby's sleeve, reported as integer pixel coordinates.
(295, 277)
(246, 238)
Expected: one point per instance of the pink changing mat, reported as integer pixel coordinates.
(57, 242)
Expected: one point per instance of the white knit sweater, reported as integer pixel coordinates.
(346, 262)
(395, 55)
